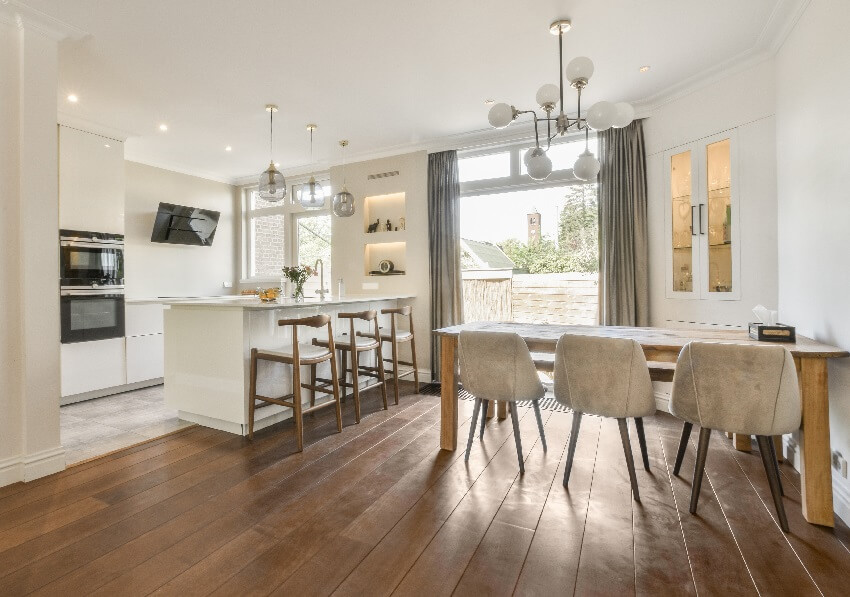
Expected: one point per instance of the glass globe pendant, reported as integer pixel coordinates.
(272, 187)
(343, 202)
(311, 195)
(537, 163)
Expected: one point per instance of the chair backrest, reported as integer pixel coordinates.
(745, 389)
(603, 376)
(498, 366)
(370, 315)
(405, 311)
(314, 321)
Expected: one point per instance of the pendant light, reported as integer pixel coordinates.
(343, 202)
(311, 195)
(272, 184)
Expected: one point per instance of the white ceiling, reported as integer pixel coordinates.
(386, 74)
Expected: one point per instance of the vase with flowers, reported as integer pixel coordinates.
(298, 274)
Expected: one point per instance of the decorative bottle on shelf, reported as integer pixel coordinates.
(341, 288)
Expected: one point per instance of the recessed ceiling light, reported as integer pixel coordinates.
(73, 98)
(644, 68)
(489, 102)
(163, 127)
(228, 148)
(107, 145)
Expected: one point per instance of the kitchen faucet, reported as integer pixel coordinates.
(321, 267)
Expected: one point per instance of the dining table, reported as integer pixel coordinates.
(662, 345)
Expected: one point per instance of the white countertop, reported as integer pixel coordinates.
(252, 302)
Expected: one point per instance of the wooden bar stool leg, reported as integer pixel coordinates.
(313, 383)
(296, 401)
(395, 368)
(344, 373)
(413, 359)
(382, 377)
(355, 381)
(252, 393)
(335, 383)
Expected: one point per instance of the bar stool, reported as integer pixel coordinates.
(396, 336)
(298, 354)
(498, 366)
(749, 390)
(354, 344)
(607, 377)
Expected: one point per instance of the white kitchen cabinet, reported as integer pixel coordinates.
(90, 366)
(143, 319)
(91, 182)
(702, 210)
(145, 357)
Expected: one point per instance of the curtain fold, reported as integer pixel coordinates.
(623, 237)
(444, 245)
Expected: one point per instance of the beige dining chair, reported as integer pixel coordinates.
(749, 390)
(607, 377)
(498, 366)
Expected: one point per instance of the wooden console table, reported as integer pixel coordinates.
(663, 345)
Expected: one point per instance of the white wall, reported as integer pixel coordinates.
(349, 237)
(744, 100)
(156, 269)
(813, 143)
(29, 300)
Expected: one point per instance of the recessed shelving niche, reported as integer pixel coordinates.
(383, 244)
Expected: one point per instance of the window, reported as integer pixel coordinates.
(283, 233)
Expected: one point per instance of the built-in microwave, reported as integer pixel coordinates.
(91, 313)
(90, 258)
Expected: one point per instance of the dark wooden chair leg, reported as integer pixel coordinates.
(642, 442)
(252, 392)
(627, 450)
(517, 440)
(475, 410)
(335, 387)
(484, 405)
(382, 376)
(413, 360)
(355, 382)
(683, 445)
(571, 451)
(699, 467)
(769, 460)
(313, 383)
(296, 401)
(395, 368)
(344, 376)
(536, 405)
(776, 465)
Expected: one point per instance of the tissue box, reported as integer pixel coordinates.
(773, 333)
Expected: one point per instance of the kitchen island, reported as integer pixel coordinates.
(208, 345)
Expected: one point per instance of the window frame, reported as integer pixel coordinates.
(516, 181)
(291, 211)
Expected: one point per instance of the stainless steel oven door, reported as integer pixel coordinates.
(91, 314)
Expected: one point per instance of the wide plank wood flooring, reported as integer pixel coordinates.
(378, 509)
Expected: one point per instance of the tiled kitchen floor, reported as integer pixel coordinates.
(96, 427)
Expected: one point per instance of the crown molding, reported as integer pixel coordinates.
(25, 17)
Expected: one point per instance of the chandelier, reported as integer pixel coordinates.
(311, 195)
(272, 186)
(601, 115)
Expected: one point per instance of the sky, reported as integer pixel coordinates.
(498, 217)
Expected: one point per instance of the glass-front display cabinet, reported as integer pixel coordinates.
(703, 232)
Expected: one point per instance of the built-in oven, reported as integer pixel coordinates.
(91, 313)
(88, 258)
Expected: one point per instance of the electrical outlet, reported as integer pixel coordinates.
(836, 459)
(843, 463)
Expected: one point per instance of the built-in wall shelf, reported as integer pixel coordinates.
(375, 253)
(384, 237)
(377, 209)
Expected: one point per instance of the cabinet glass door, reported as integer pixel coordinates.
(718, 223)
(682, 221)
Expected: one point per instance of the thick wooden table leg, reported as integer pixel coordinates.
(742, 443)
(815, 471)
(448, 392)
(503, 410)
(780, 451)
(491, 409)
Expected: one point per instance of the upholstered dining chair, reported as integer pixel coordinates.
(498, 366)
(749, 390)
(607, 377)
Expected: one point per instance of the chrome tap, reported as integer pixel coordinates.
(321, 291)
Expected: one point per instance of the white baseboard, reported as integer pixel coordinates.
(110, 391)
(841, 497)
(31, 467)
(662, 401)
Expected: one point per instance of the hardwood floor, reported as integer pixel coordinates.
(379, 509)
(99, 426)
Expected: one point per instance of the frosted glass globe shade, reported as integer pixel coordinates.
(272, 186)
(537, 163)
(548, 94)
(500, 115)
(343, 204)
(580, 67)
(601, 115)
(586, 166)
(624, 113)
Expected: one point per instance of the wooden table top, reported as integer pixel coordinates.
(661, 339)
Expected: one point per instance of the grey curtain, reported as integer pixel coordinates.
(444, 244)
(623, 242)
